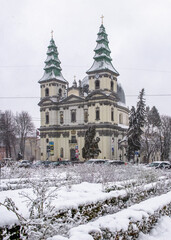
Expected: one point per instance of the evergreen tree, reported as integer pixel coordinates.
(91, 149)
(131, 134)
(153, 117)
(140, 118)
(136, 124)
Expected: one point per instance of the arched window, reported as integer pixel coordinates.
(60, 92)
(62, 153)
(46, 92)
(61, 117)
(73, 115)
(97, 84)
(97, 113)
(112, 114)
(111, 85)
(85, 115)
(120, 118)
(47, 118)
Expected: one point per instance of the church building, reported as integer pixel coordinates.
(68, 111)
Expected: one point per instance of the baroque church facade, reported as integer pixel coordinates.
(67, 112)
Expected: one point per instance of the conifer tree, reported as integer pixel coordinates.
(153, 117)
(136, 124)
(131, 134)
(140, 118)
(91, 149)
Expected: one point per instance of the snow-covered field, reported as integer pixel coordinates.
(85, 202)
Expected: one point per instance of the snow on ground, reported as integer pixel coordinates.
(120, 220)
(66, 198)
(162, 230)
(78, 191)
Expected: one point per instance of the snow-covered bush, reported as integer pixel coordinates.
(126, 224)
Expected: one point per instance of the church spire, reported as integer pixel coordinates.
(102, 59)
(52, 64)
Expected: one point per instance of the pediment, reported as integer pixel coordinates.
(72, 98)
(47, 100)
(97, 94)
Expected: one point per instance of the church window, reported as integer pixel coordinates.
(47, 92)
(120, 118)
(62, 153)
(73, 115)
(85, 115)
(97, 113)
(61, 117)
(97, 84)
(47, 118)
(111, 85)
(73, 139)
(60, 92)
(112, 114)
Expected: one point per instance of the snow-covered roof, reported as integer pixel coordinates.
(85, 81)
(52, 57)
(102, 65)
(123, 126)
(52, 66)
(50, 76)
(102, 45)
(101, 37)
(102, 55)
(51, 50)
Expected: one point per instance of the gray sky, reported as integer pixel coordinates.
(139, 33)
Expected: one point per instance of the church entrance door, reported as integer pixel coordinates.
(72, 154)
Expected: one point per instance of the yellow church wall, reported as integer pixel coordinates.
(42, 118)
(73, 91)
(105, 83)
(53, 88)
(105, 146)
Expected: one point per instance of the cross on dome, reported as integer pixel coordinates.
(102, 18)
(52, 34)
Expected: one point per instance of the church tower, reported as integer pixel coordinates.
(53, 90)
(53, 83)
(102, 74)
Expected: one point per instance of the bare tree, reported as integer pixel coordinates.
(8, 135)
(165, 137)
(151, 136)
(25, 127)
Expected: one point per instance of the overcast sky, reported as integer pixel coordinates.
(139, 34)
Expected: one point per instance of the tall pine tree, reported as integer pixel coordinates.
(131, 134)
(140, 118)
(136, 123)
(151, 137)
